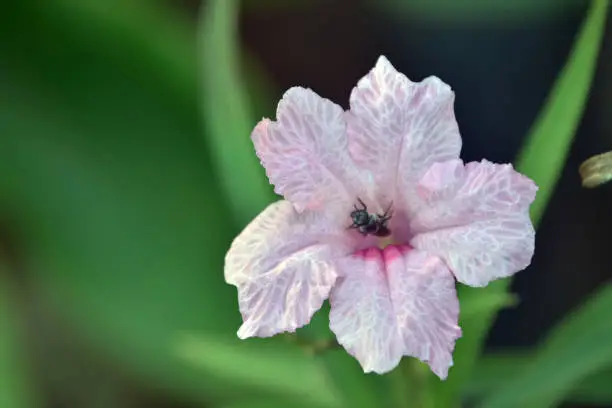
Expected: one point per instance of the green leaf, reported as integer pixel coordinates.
(228, 116)
(494, 371)
(272, 369)
(15, 387)
(542, 158)
(546, 149)
(152, 35)
(104, 173)
(269, 403)
(577, 347)
(474, 307)
(594, 389)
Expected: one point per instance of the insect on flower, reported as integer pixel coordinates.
(374, 224)
(391, 287)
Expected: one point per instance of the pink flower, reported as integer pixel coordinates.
(398, 146)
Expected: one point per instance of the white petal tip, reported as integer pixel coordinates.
(382, 60)
(243, 333)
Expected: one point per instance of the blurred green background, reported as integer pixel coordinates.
(126, 170)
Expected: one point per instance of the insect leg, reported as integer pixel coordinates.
(365, 207)
(386, 216)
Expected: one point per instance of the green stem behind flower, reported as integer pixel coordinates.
(409, 382)
(403, 392)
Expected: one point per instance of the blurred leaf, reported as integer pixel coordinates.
(269, 404)
(104, 172)
(545, 152)
(542, 159)
(594, 389)
(272, 369)
(15, 387)
(577, 347)
(228, 118)
(154, 36)
(494, 371)
(474, 307)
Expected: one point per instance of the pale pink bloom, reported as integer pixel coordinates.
(398, 145)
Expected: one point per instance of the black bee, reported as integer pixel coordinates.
(374, 224)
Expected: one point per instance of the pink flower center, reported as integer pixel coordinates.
(388, 253)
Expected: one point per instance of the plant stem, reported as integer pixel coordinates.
(410, 383)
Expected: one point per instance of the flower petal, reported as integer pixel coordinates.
(282, 265)
(398, 128)
(305, 152)
(476, 219)
(396, 302)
